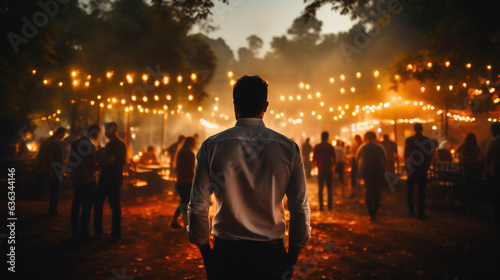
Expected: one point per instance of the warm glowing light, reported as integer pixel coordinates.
(101, 105)
(322, 104)
(379, 86)
(75, 82)
(468, 65)
(464, 85)
(301, 114)
(450, 87)
(157, 83)
(496, 100)
(488, 67)
(358, 75)
(447, 64)
(332, 80)
(230, 74)
(438, 88)
(232, 82)
(169, 97)
(121, 84)
(87, 83)
(92, 102)
(145, 77)
(282, 98)
(130, 79)
(396, 77)
(113, 100)
(34, 71)
(429, 65)
(299, 97)
(89, 77)
(200, 108)
(376, 73)
(134, 98)
(193, 77)
(318, 94)
(179, 78)
(290, 98)
(165, 107)
(301, 85)
(307, 86)
(123, 101)
(60, 84)
(45, 82)
(342, 77)
(73, 74)
(165, 80)
(309, 96)
(422, 89)
(109, 74)
(190, 97)
(145, 99)
(216, 99)
(353, 89)
(342, 90)
(409, 67)
(156, 97)
(216, 108)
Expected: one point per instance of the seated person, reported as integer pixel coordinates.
(149, 157)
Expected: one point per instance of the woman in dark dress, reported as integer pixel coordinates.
(185, 173)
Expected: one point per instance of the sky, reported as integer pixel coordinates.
(266, 19)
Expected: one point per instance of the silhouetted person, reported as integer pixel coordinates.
(185, 175)
(149, 157)
(49, 167)
(324, 159)
(391, 152)
(443, 152)
(419, 151)
(469, 151)
(172, 150)
(340, 164)
(110, 182)
(372, 167)
(249, 168)
(493, 168)
(82, 159)
(354, 164)
(306, 157)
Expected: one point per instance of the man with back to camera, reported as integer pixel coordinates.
(324, 159)
(419, 151)
(249, 168)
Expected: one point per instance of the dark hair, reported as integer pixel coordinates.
(386, 137)
(111, 127)
(61, 130)
(250, 95)
(495, 129)
(418, 128)
(189, 143)
(370, 136)
(324, 136)
(357, 137)
(470, 143)
(150, 148)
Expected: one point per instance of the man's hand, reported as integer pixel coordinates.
(292, 257)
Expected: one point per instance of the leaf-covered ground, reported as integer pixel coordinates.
(451, 244)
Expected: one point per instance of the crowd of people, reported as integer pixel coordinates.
(373, 163)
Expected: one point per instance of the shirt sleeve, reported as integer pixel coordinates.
(198, 209)
(298, 205)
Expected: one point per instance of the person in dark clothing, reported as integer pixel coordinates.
(185, 175)
(493, 169)
(372, 166)
(306, 152)
(418, 154)
(110, 182)
(324, 159)
(172, 151)
(354, 165)
(50, 168)
(391, 153)
(82, 159)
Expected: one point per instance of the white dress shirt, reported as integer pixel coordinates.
(249, 168)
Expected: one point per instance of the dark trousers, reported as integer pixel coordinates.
(81, 208)
(54, 190)
(372, 195)
(494, 185)
(109, 186)
(419, 178)
(244, 259)
(325, 177)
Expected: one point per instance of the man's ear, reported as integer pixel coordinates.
(265, 107)
(236, 111)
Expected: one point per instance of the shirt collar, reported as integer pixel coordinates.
(250, 122)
